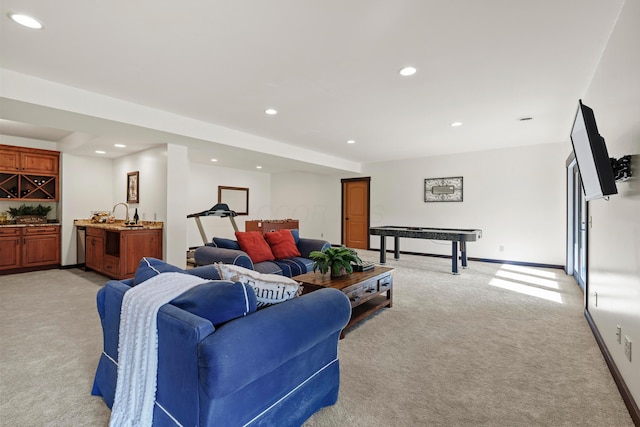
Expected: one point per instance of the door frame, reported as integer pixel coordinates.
(577, 245)
(343, 181)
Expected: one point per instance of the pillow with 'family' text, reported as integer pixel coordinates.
(269, 288)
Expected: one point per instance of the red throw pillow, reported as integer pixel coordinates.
(282, 244)
(254, 245)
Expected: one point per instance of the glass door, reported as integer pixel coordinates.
(577, 226)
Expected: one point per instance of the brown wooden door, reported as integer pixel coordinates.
(355, 212)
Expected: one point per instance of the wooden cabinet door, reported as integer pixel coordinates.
(136, 245)
(38, 163)
(40, 246)
(9, 248)
(94, 252)
(9, 160)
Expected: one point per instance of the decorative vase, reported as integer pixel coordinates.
(341, 272)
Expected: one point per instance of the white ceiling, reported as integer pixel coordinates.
(329, 67)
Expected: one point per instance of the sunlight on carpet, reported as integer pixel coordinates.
(527, 281)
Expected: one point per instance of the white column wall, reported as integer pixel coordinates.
(614, 236)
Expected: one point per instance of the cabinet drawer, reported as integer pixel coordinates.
(111, 265)
(385, 283)
(355, 295)
(9, 231)
(29, 231)
(92, 231)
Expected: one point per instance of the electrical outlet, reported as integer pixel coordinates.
(627, 347)
(619, 334)
(501, 248)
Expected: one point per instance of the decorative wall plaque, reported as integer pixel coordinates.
(443, 189)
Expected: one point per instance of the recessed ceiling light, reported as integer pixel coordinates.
(524, 119)
(100, 152)
(258, 167)
(456, 124)
(213, 160)
(119, 145)
(270, 111)
(351, 141)
(408, 71)
(25, 20)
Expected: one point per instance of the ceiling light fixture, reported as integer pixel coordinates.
(270, 111)
(213, 160)
(100, 152)
(351, 141)
(119, 145)
(258, 167)
(25, 20)
(456, 124)
(408, 71)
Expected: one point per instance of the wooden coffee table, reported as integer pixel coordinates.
(368, 291)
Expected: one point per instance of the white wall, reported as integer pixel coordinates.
(515, 196)
(152, 165)
(614, 238)
(86, 185)
(314, 200)
(202, 189)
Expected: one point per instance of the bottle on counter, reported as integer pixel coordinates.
(136, 218)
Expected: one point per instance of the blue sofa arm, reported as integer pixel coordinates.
(306, 246)
(270, 353)
(205, 255)
(277, 333)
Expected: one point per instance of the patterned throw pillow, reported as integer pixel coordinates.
(254, 245)
(282, 244)
(269, 288)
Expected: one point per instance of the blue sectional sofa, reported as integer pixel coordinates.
(275, 366)
(228, 251)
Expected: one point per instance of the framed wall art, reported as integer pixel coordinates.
(236, 197)
(443, 189)
(133, 187)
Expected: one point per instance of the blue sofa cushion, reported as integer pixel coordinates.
(218, 301)
(221, 242)
(149, 267)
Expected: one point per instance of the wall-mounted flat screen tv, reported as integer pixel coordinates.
(592, 156)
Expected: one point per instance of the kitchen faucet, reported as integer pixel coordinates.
(126, 220)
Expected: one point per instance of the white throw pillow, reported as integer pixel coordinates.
(269, 288)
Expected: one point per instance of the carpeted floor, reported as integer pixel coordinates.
(497, 345)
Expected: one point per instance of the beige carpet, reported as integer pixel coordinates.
(494, 346)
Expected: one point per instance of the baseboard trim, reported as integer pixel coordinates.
(70, 266)
(495, 261)
(632, 407)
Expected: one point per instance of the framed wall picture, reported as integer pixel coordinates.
(133, 187)
(236, 197)
(443, 189)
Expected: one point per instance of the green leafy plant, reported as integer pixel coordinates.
(338, 259)
(29, 210)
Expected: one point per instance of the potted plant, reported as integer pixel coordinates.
(30, 214)
(338, 259)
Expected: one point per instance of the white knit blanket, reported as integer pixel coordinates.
(138, 346)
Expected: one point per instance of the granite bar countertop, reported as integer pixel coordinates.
(119, 225)
(13, 224)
